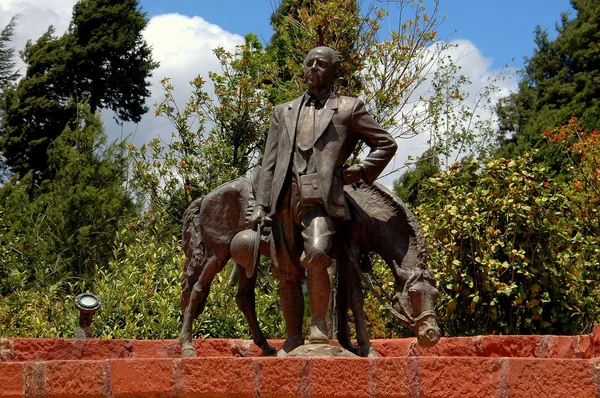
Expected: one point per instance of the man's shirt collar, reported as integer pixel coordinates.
(320, 101)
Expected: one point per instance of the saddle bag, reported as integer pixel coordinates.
(310, 192)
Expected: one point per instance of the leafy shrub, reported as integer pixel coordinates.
(140, 290)
(504, 247)
(48, 312)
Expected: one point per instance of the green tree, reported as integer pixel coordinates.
(69, 228)
(559, 80)
(196, 159)
(242, 110)
(190, 164)
(409, 186)
(8, 74)
(34, 112)
(102, 59)
(109, 62)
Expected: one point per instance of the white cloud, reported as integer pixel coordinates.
(35, 18)
(184, 47)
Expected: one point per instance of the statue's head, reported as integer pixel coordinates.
(321, 68)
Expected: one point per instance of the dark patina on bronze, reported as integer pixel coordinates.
(319, 212)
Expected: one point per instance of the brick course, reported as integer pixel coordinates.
(485, 366)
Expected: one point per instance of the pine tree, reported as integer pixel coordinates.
(8, 75)
(69, 228)
(35, 112)
(109, 61)
(102, 59)
(561, 79)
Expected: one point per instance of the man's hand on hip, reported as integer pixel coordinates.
(352, 174)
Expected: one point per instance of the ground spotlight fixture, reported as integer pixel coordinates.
(87, 304)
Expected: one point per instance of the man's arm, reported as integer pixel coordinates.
(263, 193)
(382, 144)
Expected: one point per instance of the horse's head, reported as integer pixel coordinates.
(415, 305)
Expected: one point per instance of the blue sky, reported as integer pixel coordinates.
(500, 29)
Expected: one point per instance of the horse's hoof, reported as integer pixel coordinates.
(268, 351)
(352, 348)
(318, 334)
(188, 351)
(289, 345)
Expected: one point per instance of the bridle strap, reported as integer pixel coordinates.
(409, 320)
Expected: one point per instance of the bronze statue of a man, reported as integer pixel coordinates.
(301, 186)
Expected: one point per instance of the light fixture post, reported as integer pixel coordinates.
(87, 304)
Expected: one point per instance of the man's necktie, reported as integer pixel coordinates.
(306, 137)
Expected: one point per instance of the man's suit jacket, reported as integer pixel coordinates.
(342, 122)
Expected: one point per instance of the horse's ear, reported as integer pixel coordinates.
(428, 276)
(397, 268)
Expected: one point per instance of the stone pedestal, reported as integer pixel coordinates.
(484, 366)
(320, 351)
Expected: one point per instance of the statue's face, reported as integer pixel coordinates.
(319, 71)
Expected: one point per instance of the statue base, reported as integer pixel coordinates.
(320, 351)
(466, 367)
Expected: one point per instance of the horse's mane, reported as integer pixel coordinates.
(386, 206)
(381, 203)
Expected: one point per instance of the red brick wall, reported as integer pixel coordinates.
(487, 366)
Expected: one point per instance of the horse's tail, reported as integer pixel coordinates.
(193, 247)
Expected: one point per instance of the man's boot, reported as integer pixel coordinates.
(318, 292)
(292, 304)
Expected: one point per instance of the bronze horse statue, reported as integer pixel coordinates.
(381, 224)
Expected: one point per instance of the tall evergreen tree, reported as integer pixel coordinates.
(35, 111)
(109, 61)
(69, 228)
(561, 79)
(102, 59)
(8, 74)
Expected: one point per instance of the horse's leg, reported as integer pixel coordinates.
(357, 302)
(210, 267)
(342, 307)
(246, 301)
(344, 328)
